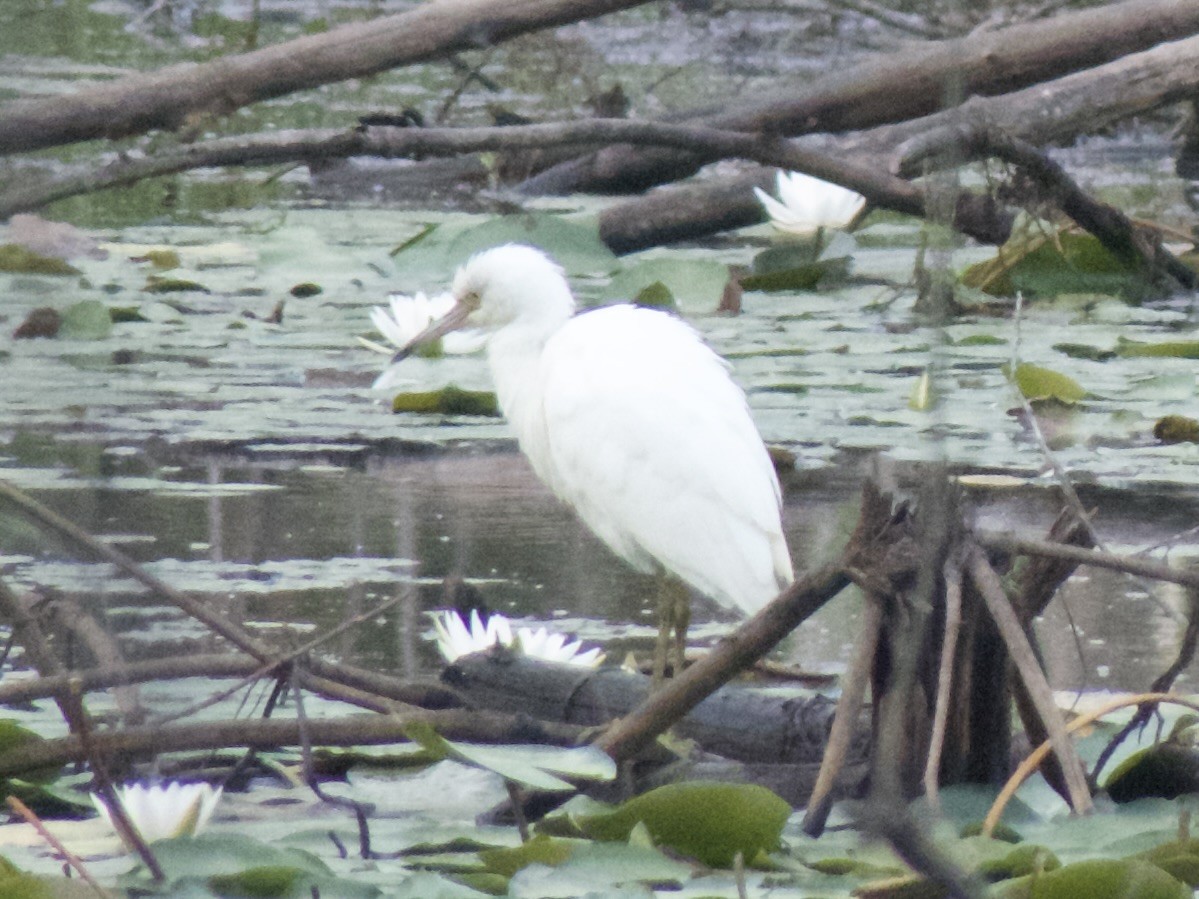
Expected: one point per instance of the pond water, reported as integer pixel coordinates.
(248, 461)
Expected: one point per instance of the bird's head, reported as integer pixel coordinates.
(506, 285)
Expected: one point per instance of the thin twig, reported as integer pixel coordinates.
(953, 623)
(69, 857)
(1008, 542)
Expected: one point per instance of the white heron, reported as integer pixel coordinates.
(630, 419)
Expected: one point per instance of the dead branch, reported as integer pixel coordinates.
(896, 86)
(1029, 668)
(977, 215)
(22, 810)
(1015, 544)
(362, 729)
(172, 97)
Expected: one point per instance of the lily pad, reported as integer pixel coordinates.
(693, 283)
(1065, 262)
(534, 766)
(708, 821)
(1097, 879)
(449, 400)
(575, 245)
(15, 258)
(86, 320)
(1176, 349)
(1176, 429)
(794, 267)
(1038, 383)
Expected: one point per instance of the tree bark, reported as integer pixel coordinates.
(894, 87)
(173, 96)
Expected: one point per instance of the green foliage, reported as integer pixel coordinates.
(708, 821)
(449, 400)
(14, 258)
(688, 282)
(1064, 262)
(533, 766)
(15, 738)
(1176, 429)
(86, 320)
(1097, 879)
(575, 245)
(1038, 383)
(1176, 349)
(794, 267)
(542, 849)
(235, 865)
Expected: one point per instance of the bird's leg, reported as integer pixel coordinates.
(674, 614)
(682, 619)
(662, 644)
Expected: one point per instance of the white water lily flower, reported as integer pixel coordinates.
(806, 204)
(456, 639)
(409, 315)
(163, 811)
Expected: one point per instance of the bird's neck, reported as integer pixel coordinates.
(515, 356)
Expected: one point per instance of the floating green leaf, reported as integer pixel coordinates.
(708, 821)
(794, 267)
(1085, 351)
(1177, 349)
(529, 765)
(541, 849)
(1038, 383)
(86, 320)
(1176, 429)
(1056, 263)
(574, 245)
(692, 283)
(449, 400)
(14, 258)
(15, 738)
(1097, 879)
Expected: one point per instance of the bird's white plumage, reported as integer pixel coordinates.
(631, 419)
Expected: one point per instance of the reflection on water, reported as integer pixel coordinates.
(310, 545)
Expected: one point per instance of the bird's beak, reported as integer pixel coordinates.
(451, 321)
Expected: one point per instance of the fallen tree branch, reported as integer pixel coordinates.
(185, 93)
(364, 729)
(977, 215)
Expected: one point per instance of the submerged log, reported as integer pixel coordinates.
(747, 724)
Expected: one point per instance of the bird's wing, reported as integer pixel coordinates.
(652, 443)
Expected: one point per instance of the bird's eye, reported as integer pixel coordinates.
(470, 300)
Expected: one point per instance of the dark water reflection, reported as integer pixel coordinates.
(310, 545)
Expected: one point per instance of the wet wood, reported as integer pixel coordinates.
(743, 723)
